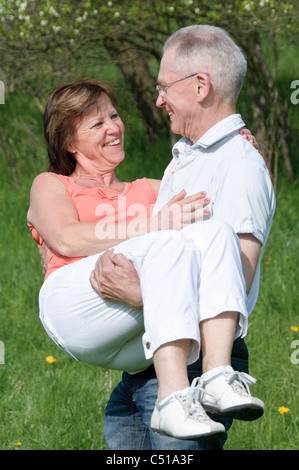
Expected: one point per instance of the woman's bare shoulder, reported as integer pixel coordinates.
(45, 180)
(155, 184)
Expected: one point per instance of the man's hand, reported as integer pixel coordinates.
(114, 278)
(45, 255)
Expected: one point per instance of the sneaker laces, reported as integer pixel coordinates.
(240, 381)
(191, 403)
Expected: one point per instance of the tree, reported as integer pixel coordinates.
(46, 39)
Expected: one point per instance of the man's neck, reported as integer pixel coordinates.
(209, 119)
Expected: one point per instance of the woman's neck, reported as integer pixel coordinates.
(95, 178)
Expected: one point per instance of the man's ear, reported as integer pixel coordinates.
(204, 85)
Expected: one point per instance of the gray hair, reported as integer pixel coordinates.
(209, 49)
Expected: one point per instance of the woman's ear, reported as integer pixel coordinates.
(203, 86)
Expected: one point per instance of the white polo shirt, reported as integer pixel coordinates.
(235, 177)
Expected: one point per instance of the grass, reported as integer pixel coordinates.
(60, 406)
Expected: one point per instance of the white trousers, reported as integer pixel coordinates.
(186, 276)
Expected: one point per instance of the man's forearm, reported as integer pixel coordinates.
(250, 251)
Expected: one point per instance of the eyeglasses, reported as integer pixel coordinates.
(162, 88)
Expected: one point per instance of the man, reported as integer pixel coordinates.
(201, 74)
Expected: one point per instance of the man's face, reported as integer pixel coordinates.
(179, 99)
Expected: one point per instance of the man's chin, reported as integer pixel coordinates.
(174, 128)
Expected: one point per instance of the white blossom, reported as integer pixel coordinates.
(53, 12)
(23, 6)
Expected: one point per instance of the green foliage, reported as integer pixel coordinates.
(45, 42)
(61, 27)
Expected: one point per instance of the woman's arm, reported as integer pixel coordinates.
(55, 218)
(155, 184)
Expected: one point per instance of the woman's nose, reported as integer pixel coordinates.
(112, 127)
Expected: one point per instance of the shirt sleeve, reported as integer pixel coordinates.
(244, 197)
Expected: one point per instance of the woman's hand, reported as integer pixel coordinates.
(246, 134)
(182, 211)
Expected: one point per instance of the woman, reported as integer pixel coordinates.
(81, 208)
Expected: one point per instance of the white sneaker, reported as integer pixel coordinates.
(227, 394)
(182, 416)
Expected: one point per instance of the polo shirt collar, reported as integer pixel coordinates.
(218, 132)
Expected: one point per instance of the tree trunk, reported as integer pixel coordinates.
(270, 115)
(134, 66)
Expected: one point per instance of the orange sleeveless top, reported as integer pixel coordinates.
(99, 204)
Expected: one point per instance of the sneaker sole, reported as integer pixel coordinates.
(249, 413)
(212, 436)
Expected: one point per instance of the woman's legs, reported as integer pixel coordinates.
(221, 278)
(222, 290)
(170, 361)
(108, 334)
(171, 277)
(101, 333)
(217, 337)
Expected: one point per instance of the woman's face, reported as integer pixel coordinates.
(99, 136)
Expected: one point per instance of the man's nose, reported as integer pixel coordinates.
(160, 102)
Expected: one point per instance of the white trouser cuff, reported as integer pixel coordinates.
(150, 348)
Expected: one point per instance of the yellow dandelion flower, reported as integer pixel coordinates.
(283, 410)
(50, 359)
(18, 444)
(294, 328)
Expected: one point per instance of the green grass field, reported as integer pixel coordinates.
(59, 406)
